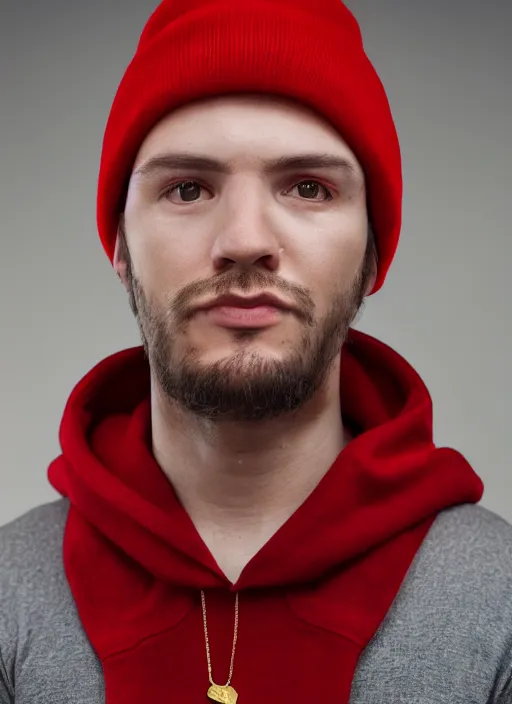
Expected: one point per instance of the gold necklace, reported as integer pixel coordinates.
(220, 693)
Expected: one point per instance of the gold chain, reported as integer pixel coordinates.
(235, 637)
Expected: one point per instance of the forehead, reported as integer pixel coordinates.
(245, 128)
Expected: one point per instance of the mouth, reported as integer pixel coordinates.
(231, 311)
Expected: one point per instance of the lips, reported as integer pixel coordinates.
(250, 312)
(232, 301)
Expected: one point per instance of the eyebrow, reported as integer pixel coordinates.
(185, 160)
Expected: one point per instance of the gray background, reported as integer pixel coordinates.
(446, 66)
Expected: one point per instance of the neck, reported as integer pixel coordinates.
(240, 482)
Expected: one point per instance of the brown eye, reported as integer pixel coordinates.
(189, 191)
(310, 190)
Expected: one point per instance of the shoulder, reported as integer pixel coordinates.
(454, 609)
(31, 562)
(470, 541)
(31, 552)
(30, 543)
(476, 521)
(32, 579)
(464, 570)
(448, 634)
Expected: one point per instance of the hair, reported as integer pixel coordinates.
(372, 253)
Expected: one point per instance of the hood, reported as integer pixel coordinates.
(388, 479)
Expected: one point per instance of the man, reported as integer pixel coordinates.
(253, 506)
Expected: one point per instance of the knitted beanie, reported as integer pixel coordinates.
(308, 51)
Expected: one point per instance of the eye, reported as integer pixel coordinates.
(311, 188)
(189, 191)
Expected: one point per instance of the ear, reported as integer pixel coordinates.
(119, 261)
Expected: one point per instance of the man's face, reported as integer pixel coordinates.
(191, 233)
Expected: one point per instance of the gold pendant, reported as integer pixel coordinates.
(224, 695)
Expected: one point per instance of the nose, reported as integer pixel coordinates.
(244, 236)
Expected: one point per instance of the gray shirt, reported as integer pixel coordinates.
(447, 638)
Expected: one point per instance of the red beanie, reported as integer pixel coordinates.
(308, 51)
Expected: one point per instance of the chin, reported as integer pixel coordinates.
(246, 351)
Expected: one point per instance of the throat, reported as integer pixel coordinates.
(234, 545)
(240, 484)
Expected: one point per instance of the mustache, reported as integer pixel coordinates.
(182, 303)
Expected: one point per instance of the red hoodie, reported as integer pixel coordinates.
(310, 600)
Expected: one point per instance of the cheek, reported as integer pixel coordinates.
(331, 259)
(163, 260)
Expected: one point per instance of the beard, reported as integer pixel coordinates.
(246, 386)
